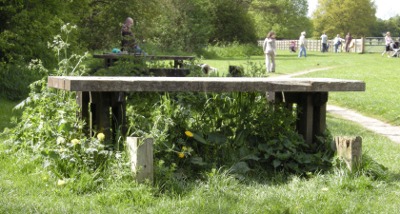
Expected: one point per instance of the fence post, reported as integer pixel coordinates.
(141, 158)
(349, 150)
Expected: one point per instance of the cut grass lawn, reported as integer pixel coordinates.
(381, 75)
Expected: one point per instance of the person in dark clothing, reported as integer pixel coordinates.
(348, 40)
(128, 41)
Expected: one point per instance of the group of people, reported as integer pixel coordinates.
(337, 42)
(269, 47)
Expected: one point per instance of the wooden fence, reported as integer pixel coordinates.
(316, 45)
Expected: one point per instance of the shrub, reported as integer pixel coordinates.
(15, 79)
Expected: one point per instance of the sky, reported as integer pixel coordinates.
(385, 8)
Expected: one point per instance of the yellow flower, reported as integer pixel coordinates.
(189, 133)
(100, 136)
(75, 142)
(184, 148)
(61, 182)
(181, 155)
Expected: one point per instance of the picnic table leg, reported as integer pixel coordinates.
(100, 113)
(118, 107)
(320, 100)
(311, 113)
(82, 99)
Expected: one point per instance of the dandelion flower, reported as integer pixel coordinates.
(181, 155)
(75, 142)
(189, 133)
(100, 136)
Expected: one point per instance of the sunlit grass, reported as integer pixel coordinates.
(23, 191)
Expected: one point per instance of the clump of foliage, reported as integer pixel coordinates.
(51, 132)
(234, 49)
(15, 79)
(196, 132)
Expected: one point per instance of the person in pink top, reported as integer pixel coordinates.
(388, 43)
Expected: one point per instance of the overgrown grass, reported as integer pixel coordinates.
(23, 190)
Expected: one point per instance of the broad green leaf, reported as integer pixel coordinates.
(276, 163)
(199, 138)
(217, 138)
(240, 167)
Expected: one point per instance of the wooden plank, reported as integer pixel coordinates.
(146, 57)
(202, 84)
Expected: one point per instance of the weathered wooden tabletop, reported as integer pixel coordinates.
(202, 84)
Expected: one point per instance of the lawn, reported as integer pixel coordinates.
(24, 188)
(381, 75)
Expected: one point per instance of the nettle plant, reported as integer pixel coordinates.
(240, 131)
(51, 131)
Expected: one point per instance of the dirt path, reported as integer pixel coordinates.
(377, 126)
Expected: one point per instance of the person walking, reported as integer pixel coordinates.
(348, 40)
(388, 43)
(269, 48)
(303, 44)
(337, 42)
(324, 41)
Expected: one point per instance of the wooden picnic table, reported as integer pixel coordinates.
(97, 95)
(110, 58)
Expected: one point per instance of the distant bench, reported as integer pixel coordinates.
(177, 71)
(98, 95)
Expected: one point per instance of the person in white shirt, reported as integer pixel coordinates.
(303, 44)
(324, 41)
(269, 48)
(337, 42)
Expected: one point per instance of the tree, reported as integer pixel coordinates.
(343, 16)
(232, 22)
(286, 17)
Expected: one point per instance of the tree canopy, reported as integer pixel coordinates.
(343, 16)
(173, 25)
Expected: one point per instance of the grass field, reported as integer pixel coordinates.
(380, 73)
(376, 189)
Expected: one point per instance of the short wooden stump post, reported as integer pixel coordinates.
(350, 150)
(141, 158)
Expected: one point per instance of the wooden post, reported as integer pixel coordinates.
(141, 158)
(350, 150)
